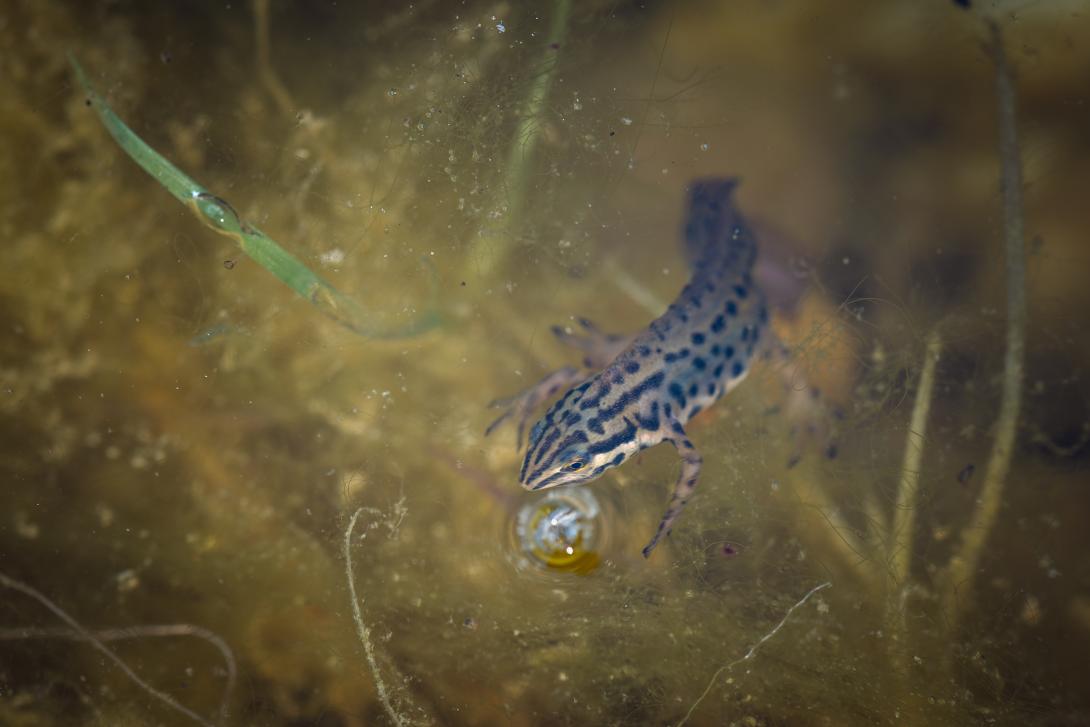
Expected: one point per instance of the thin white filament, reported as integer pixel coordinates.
(751, 653)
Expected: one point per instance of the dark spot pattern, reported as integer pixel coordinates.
(654, 389)
(677, 393)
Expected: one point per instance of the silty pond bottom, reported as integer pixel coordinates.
(186, 437)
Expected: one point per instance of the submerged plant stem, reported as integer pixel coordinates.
(524, 143)
(143, 632)
(219, 215)
(904, 513)
(85, 635)
(265, 70)
(361, 628)
(964, 564)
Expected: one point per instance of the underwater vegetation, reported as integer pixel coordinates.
(237, 498)
(219, 215)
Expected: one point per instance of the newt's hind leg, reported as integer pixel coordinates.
(522, 405)
(600, 348)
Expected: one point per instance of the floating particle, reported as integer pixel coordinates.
(127, 580)
(1031, 610)
(24, 528)
(501, 27)
(704, 146)
(229, 264)
(729, 550)
(626, 121)
(332, 257)
(966, 473)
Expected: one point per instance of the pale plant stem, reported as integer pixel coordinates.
(525, 141)
(265, 70)
(90, 638)
(904, 514)
(361, 628)
(634, 289)
(963, 565)
(143, 631)
(903, 525)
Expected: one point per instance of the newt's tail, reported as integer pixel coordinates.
(715, 233)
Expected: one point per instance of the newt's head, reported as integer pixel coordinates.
(575, 442)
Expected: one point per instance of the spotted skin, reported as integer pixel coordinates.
(689, 357)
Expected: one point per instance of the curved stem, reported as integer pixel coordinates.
(361, 628)
(963, 565)
(90, 638)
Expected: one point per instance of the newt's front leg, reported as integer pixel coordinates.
(599, 349)
(523, 404)
(598, 346)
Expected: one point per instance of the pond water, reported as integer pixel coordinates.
(221, 506)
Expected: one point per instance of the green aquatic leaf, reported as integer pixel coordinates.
(218, 214)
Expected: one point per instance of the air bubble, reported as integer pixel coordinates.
(561, 531)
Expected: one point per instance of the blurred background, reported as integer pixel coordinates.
(184, 440)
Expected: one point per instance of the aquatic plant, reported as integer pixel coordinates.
(216, 213)
(98, 639)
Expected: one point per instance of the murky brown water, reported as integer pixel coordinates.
(185, 441)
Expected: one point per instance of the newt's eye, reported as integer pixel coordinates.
(575, 466)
